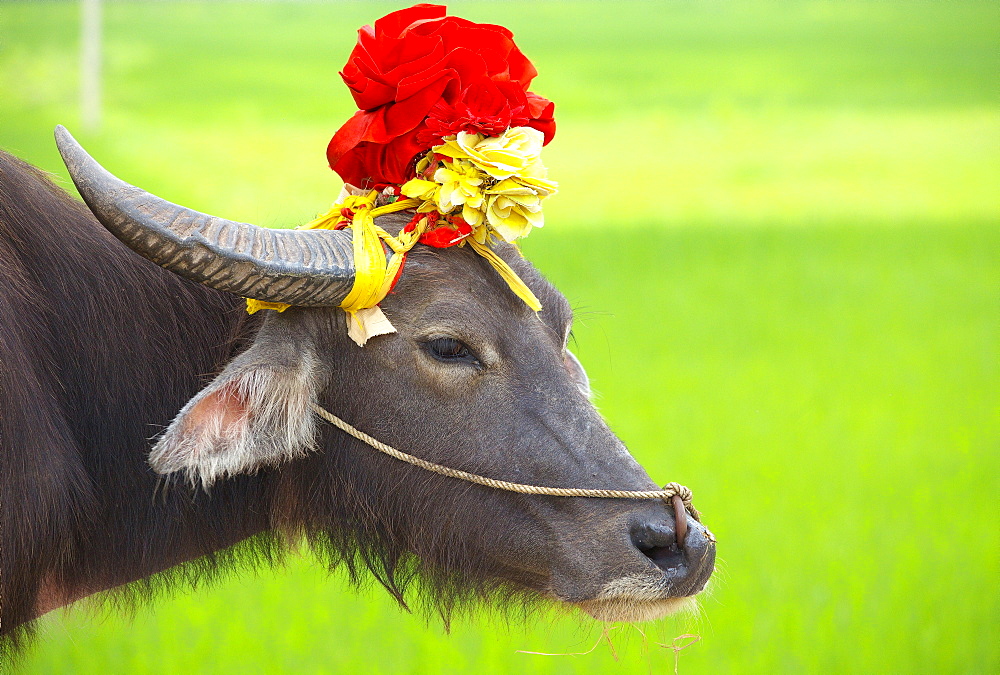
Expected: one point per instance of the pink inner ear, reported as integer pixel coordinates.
(225, 407)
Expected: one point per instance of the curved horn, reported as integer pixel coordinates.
(309, 268)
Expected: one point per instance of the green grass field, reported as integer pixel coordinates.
(778, 224)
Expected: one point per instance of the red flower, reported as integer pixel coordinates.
(418, 62)
(540, 117)
(446, 234)
(486, 107)
(366, 163)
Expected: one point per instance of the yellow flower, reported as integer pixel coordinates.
(498, 182)
(502, 156)
(418, 188)
(513, 208)
(536, 177)
(427, 190)
(461, 185)
(514, 205)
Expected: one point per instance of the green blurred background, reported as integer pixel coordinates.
(778, 223)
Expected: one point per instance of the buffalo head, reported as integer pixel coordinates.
(472, 379)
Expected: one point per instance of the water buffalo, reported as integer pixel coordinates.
(101, 348)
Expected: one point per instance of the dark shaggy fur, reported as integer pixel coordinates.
(99, 350)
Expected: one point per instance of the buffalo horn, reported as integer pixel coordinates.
(309, 268)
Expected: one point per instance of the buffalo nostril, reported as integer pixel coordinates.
(685, 569)
(665, 557)
(658, 543)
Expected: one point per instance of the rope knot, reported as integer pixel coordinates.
(684, 492)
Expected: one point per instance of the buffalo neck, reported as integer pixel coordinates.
(129, 345)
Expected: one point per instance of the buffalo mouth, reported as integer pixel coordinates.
(665, 577)
(645, 598)
(629, 610)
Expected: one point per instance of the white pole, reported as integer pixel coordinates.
(90, 64)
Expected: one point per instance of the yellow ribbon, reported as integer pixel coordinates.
(373, 273)
(520, 289)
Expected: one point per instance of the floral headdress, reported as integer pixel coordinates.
(446, 127)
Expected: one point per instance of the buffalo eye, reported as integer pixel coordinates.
(450, 350)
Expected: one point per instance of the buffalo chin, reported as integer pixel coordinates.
(630, 610)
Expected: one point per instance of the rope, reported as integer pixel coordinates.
(669, 491)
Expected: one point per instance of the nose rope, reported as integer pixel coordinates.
(670, 494)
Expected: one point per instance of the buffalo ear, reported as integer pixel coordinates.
(577, 372)
(256, 413)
